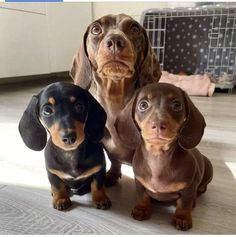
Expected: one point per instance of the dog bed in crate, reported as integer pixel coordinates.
(199, 40)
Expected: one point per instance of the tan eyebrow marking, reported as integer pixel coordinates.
(51, 100)
(72, 99)
(150, 96)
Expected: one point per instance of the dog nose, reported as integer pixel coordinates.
(115, 43)
(159, 125)
(69, 138)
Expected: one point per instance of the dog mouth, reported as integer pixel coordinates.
(67, 147)
(158, 138)
(117, 69)
(115, 63)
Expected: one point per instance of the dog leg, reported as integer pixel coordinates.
(100, 199)
(61, 197)
(182, 218)
(142, 210)
(208, 175)
(113, 174)
(60, 193)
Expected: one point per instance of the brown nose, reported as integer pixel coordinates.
(115, 43)
(159, 125)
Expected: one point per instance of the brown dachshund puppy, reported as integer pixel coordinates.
(117, 55)
(166, 163)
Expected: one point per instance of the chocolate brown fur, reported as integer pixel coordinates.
(116, 54)
(167, 166)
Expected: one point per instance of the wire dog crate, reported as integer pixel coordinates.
(195, 41)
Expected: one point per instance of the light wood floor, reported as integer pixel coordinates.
(25, 201)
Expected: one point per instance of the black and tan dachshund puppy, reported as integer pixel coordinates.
(74, 156)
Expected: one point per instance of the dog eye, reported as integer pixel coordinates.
(143, 105)
(47, 111)
(176, 105)
(135, 28)
(79, 108)
(96, 30)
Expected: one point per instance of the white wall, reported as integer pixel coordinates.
(133, 9)
(40, 38)
(67, 23)
(23, 42)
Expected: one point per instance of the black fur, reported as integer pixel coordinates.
(74, 162)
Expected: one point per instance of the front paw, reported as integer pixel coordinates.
(182, 221)
(102, 203)
(141, 213)
(62, 204)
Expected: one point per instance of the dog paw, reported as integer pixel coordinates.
(141, 213)
(62, 204)
(103, 203)
(182, 222)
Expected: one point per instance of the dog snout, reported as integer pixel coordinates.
(68, 138)
(160, 126)
(115, 43)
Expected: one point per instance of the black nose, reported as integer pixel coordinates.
(69, 138)
(115, 43)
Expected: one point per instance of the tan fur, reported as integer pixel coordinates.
(161, 188)
(72, 99)
(51, 101)
(85, 174)
(61, 197)
(55, 134)
(100, 199)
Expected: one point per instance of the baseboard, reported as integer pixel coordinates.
(50, 77)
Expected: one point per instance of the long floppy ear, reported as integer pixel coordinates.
(31, 130)
(81, 69)
(193, 127)
(126, 127)
(95, 123)
(150, 71)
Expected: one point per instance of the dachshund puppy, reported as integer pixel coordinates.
(74, 156)
(117, 55)
(165, 126)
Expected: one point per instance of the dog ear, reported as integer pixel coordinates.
(193, 127)
(81, 69)
(95, 123)
(31, 130)
(126, 127)
(150, 71)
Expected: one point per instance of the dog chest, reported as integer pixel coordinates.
(157, 185)
(77, 174)
(155, 177)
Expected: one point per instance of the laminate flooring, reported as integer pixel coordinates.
(25, 200)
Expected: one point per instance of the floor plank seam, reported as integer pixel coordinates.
(2, 187)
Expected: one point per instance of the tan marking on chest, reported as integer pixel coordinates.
(85, 174)
(158, 187)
